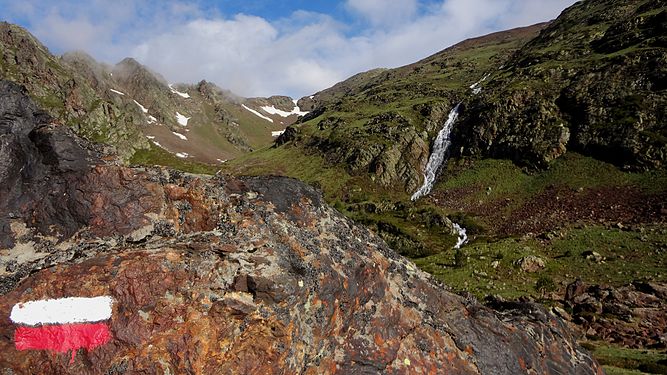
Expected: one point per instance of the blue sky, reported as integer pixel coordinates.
(272, 10)
(262, 47)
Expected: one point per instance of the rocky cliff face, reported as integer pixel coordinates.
(66, 95)
(225, 275)
(592, 82)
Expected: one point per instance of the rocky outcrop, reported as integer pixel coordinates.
(388, 148)
(531, 264)
(38, 159)
(591, 82)
(226, 275)
(66, 95)
(633, 315)
(98, 75)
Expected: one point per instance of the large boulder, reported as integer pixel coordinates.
(223, 275)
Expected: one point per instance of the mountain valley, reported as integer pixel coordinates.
(549, 206)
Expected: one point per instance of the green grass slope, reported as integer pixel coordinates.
(556, 158)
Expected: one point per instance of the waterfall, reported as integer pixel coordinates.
(437, 157)
(442, 143)
(477, 86)
(463, 237)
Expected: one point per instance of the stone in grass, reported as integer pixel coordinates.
(593, 256)
(531, 264)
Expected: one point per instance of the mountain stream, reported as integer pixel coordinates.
(437, 158)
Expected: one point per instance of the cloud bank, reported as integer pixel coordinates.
(295, 55)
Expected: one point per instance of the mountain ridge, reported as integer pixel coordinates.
(117, 104)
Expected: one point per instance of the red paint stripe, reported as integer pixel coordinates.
(63, 337)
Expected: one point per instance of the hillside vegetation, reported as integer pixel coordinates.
(559, 158)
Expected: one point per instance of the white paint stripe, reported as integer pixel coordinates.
(62, 310)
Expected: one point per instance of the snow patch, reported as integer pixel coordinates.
(143, 109)
(152, 120)
(277, 133)
(182, 120)
(182, 155)
(221, 160)
(181, 136)
(150, 136)
(256, 113)
(117, 92)
(275, 111)
(181, 94)
(158, 144)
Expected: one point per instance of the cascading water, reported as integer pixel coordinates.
(463, 236)
(437, 157)
(442, 143)
(477, 86)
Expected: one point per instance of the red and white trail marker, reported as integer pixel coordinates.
(62, 324)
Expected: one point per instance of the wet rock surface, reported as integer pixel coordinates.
(226, 275)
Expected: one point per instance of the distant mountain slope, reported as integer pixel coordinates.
(66, 95)
(382, 122)
(592, 81)
(137, 111)
(200, 122)
(456, 67)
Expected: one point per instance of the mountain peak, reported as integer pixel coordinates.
(129, 68)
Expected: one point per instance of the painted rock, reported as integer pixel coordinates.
(112, 270)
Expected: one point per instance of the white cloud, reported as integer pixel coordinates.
(252, 56)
